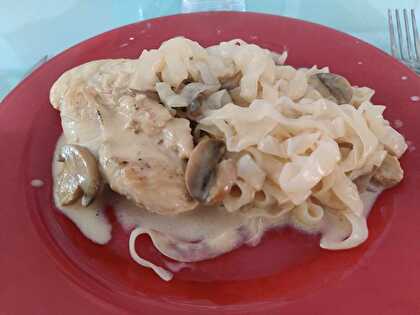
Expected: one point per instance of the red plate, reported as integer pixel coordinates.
(48, 267)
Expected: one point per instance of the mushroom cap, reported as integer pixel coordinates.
(332, 86)
(201, 167)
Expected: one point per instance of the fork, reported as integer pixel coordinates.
(408, 53)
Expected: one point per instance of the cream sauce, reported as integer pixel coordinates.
(176, 267)
(37, 183)
(189, 237)
(91, 221)
(398, 123)
(210, 232)
(198, 235)
(122, 128)
(142, 152)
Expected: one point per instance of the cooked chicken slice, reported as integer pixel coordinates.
(79, 91)
(177, 136)
(69, 80)
(147, 165)
(143, 115)
(157, 186)
(389, 173)
(140, 146)
(110, 78)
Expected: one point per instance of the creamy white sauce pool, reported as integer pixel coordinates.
(91, 220)
(193, 236)
(37, 183)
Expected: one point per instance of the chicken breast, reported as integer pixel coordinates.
(141, 148)
(149, 182)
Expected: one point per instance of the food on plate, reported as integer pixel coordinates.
(204, 149)
(79, 178)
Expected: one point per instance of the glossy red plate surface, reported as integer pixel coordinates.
(48, 267)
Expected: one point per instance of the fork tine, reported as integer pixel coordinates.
(415, 35)
(392, 35)
(399, 32)
(407, 34)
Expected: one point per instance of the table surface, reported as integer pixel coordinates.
(31, 29)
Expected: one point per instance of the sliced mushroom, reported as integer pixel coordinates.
(225, 178)
(389, 173)
(80, 175)
(200, 131)
(362, 182)
(194, 107)
(189, 101)
(193, 90)
(67, 189)
(185, 82)
(193, 94)
(232, 82)
(168, 97)
(200, 173)
(217, 100)
(153, 95)
(332, 86)
(235, 94)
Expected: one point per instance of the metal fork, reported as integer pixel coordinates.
(408, 53)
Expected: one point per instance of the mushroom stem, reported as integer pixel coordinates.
(332, 86)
